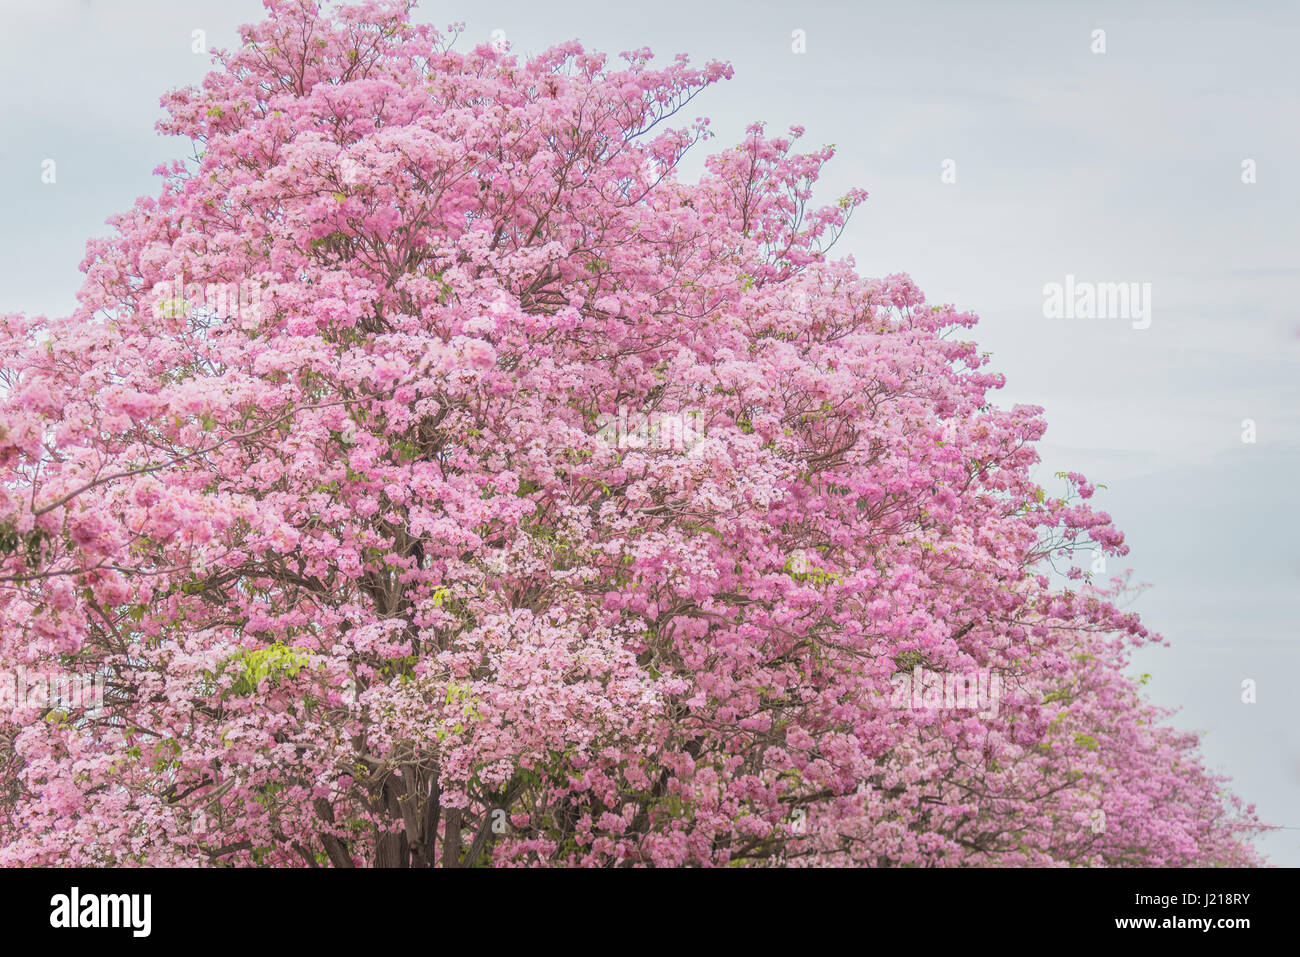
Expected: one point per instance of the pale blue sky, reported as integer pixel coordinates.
(1124, 166)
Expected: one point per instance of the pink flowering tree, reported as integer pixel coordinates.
(433, 477)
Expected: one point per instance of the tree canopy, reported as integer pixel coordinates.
(320, 477)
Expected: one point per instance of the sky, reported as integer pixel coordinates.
(1002, 150)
